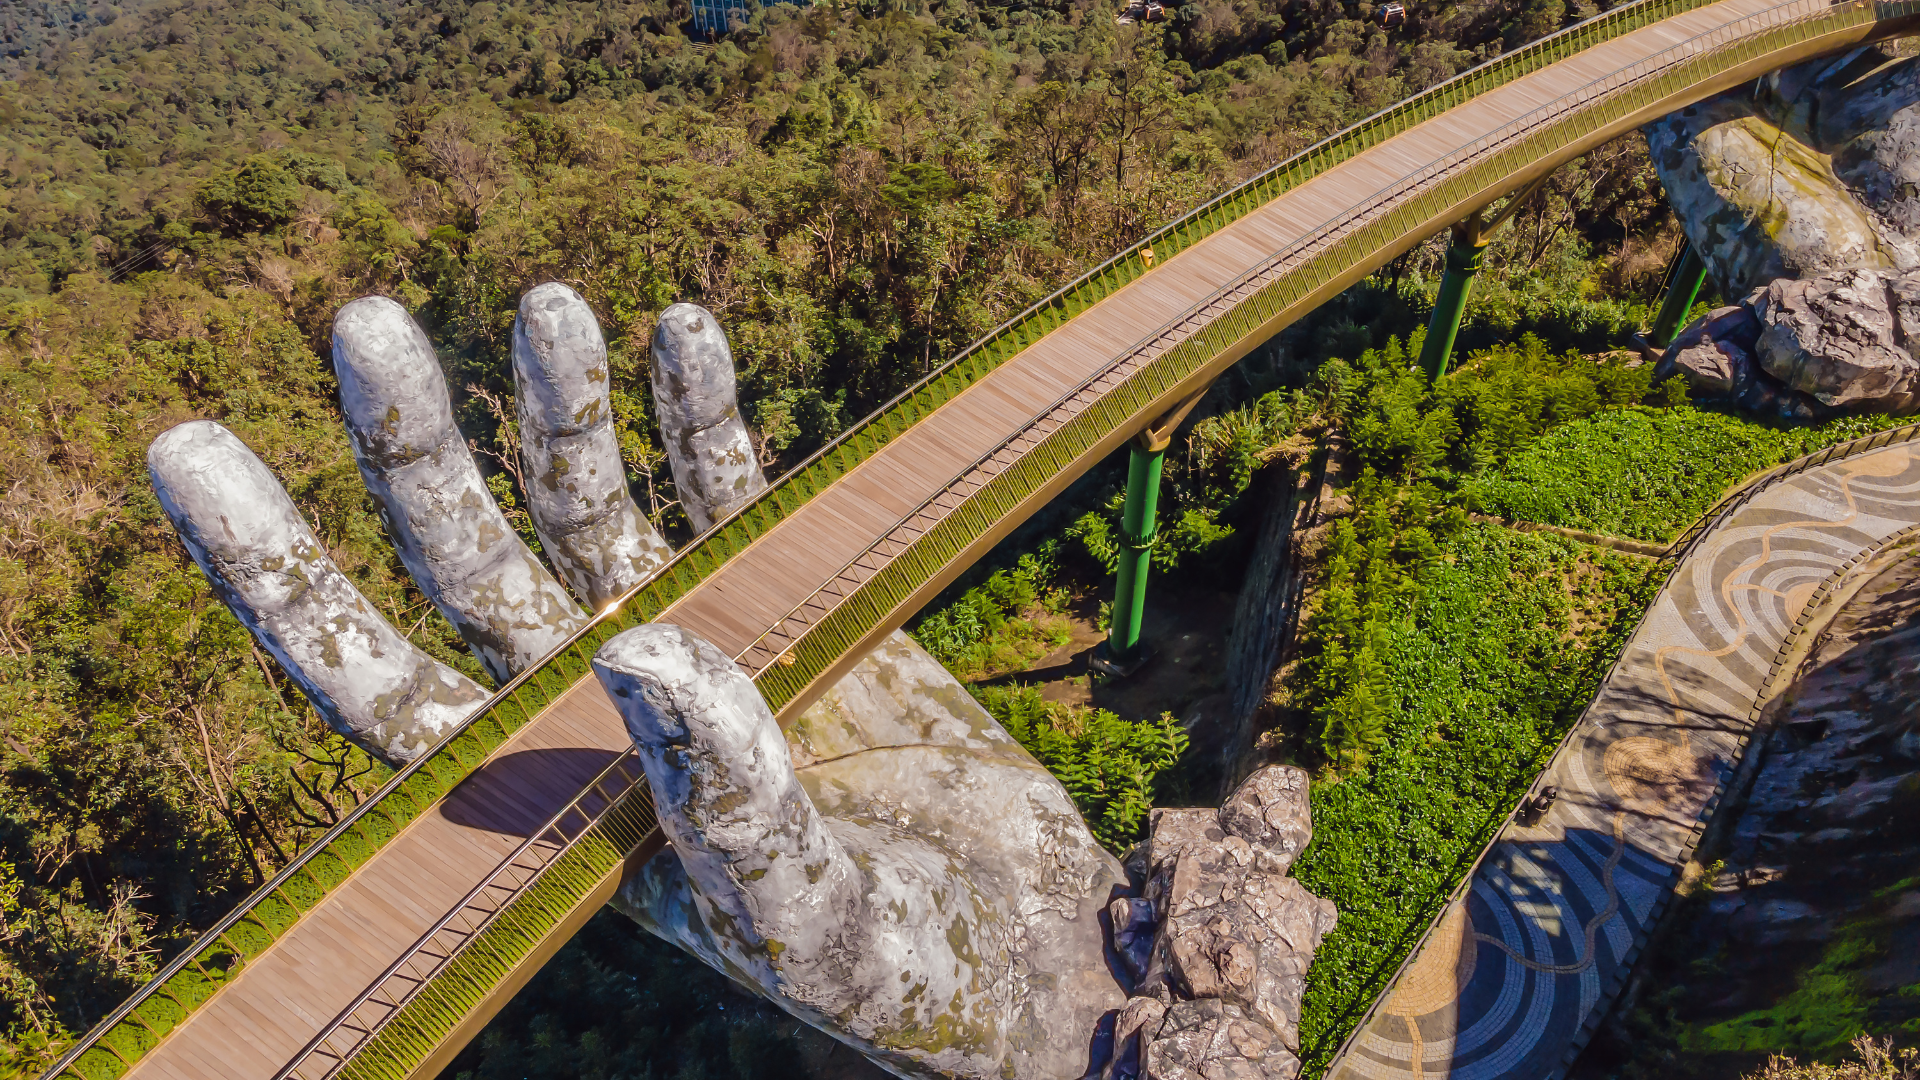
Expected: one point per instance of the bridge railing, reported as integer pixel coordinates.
(616, 805)
(1165, 359)
(128, 1033)
(1001, 479)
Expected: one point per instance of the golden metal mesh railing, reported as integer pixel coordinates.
(367, 1016)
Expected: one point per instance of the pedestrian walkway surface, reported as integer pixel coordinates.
(1517, 973)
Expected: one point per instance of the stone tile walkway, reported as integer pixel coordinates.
(1519, 970)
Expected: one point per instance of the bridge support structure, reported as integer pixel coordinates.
(1684, 281)
(1125, 651)
(1465, 255)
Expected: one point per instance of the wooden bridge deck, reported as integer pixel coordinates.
(260, 1020)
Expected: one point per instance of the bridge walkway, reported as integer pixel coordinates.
(391, 941)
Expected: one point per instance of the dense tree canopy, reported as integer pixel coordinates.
(189, 188)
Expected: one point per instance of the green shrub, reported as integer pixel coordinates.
(1008, 619)
(1478, 666)
(1107, 764)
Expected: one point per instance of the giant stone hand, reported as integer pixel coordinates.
(893, 869)
(896, 869)
(1798, 193)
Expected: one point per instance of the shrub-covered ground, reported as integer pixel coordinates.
(190, 188)
(1645, 473)
(1479, 671)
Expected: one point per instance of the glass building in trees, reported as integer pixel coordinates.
(715, 17)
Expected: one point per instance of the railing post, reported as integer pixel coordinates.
(1464, 257)
(1683, 288)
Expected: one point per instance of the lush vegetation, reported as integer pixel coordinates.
(1006, 622)
(189, 188)
(1645, 473)
(1878, 1060)
(1442, 660)
(1107, 764)
(1473, 675)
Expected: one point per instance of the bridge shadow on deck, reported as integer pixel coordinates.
(515, 794)
(1510, 974)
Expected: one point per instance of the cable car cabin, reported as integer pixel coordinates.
(1142, 11)
(1392, 15)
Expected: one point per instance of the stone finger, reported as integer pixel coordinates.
(449, 532)
(714, 468)
(769, 875)
(360, 674)
(576, 483)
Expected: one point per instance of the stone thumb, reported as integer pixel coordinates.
(752, 843)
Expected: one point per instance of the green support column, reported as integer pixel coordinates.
(1136, 550)
(1683, 288)
(1123, 652)
(1464, 256)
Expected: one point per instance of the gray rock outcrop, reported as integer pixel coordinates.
(1799, 194)
(1843, 338)
(1220, 986)
(1808, 349)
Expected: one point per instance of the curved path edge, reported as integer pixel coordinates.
(1523, 963)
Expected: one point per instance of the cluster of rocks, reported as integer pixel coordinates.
(1808, 349)
(1220, 943)
(1799, 194)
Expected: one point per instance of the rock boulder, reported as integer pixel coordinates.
(1845, 338)
(1219, 993)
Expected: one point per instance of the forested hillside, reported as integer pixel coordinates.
(189, 188)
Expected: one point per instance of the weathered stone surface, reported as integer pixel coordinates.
(262, 560)
(1756, 202)
(714, 468)
(1844, 338)
(1714, 354)
(1235, 937)
(576, 484)
(452, 538)
(1134, 926)
(1859, 108)
(1809, 349)
(1270, 811)
(1135, 1027)
(920, 886)
(1801, 191)
(1214, 1040)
